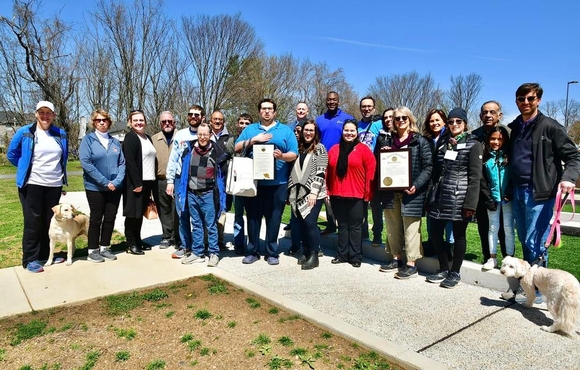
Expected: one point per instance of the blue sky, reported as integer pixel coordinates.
(506, 42)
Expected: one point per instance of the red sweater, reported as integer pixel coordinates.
(360, 173)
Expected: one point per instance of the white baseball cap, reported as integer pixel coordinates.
(45, 104)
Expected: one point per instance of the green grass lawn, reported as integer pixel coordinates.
(566, 258)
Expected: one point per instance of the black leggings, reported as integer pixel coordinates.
(459, 228)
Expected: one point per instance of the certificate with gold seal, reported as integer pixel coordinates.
(264, 162)
(395, 169)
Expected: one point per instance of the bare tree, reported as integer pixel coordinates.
(136, 36)
(47, 60)
(574, 132)
(464, 93)
(551, 108)
(411, 90)
(218, 47)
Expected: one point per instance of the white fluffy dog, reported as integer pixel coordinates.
(560, 288)
(65, 226)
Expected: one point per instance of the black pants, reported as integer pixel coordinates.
(133, 224)
(37, 202)
(167, 213)
(103, 206)
(483, 229)
(309, 232)
(437, 230)
(349, 213)
(330, 218)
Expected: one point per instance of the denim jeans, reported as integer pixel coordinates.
(184, 223)
(532, 222)
(202, 210)
(239, 234)
(495, 222)
(268, 204)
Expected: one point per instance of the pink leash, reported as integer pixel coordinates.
(555, 234)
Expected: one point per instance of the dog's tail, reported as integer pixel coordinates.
(570, 308)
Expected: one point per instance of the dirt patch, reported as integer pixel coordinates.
(201, 323)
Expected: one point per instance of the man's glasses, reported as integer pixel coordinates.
(166, 121)
(193, 114)
(529, 99)
(401, 118)
(452, 122)
(243, 123)
(203, 135)
(97, 120)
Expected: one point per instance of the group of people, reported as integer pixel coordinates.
(333, 160)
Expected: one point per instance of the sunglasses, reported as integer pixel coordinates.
(166, 121)
(452, 122)
(243, 123)
(193, 114)
(529, 99)
(401, 118)
(97, 120)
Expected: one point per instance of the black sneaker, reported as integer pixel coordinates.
(437, 277)
(407, 272)
(165, 243)
(453, 278)
(394, 264)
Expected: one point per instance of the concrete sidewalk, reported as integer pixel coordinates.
(413, 323)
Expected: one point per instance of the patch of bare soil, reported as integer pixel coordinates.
(199, 323)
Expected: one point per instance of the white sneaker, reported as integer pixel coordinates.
(192, 258)
(213, 260)
(490, 264)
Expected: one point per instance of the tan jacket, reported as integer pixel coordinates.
(163, 150)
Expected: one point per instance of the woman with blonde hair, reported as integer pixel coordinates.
(404, 208)
(103, 163)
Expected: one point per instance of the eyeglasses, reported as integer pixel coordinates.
(97, 120)
(193, 114)
(308, 130)
(522, 99)
(167, 121)
(401, 118)
(452, 122)
(203, 135)
(492, 112)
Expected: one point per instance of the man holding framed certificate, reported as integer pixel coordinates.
(273, 147)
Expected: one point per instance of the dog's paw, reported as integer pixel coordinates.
(547, 328)
(48, 263)
(528, 304)
(68, 262)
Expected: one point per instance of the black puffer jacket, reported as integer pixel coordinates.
(421, 169)
(456, 182)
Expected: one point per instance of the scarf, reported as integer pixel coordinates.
(344, 150)
(398, 144)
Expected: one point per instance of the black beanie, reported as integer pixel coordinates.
(458, 113)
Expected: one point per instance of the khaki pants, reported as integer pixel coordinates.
(403, 231)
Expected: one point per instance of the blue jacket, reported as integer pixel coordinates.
(21, 151)
(181, 186)
(101, 166)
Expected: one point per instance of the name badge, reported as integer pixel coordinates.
(451, 155)
(460, 146)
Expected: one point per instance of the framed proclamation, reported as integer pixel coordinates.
(395, 169)
(264, 162)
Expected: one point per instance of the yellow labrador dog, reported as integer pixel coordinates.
(65, 226)
(560, 288)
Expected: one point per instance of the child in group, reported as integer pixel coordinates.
(496, 188)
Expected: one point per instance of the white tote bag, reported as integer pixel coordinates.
(240, 180)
